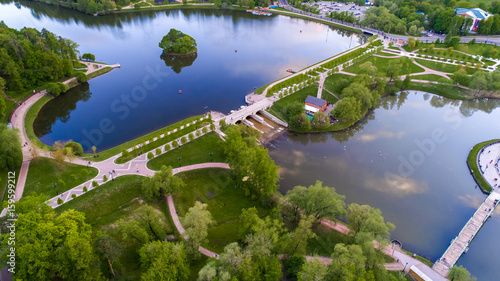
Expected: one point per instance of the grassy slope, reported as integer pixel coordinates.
(443, 67)
(44, 173)
(108, 203)
(30, 118)
(475, 49)
(194, 152)
(428, 77)
(445, 91)
(472, 163)
(381, 64)
(224, 203)
(4, 176)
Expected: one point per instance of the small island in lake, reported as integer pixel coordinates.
(177, 43)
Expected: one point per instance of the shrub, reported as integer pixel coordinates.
(75, 147)
(73, 177)
(150, 155)
(81, 77)
(222, 123)
(167, 147)
(59, 201)
(175, 144)
(61, 183)
(85, 189)
(94, 184)
(191, 136)
(183, 140)
(104, 178)
(85, 173)
(198, 133)
(204, 130)
(158, 151)
(73, 196)
(212, 127)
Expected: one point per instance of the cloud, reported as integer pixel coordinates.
(396, 185)
(381, 134)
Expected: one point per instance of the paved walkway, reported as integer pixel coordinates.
(171, 205)
(488, 161)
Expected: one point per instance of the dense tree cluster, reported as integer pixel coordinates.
(29, 57)
(252, 168)
(176, 42)
(11, 155)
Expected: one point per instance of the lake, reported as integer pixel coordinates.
(406, 157)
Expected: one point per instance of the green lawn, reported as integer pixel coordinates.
(328, 97)
(443, 67)
(99, 72)
(194, 152)
(428, 77)
(161, 141)
(108, 203)
(103, 155)
(475, 49)
(386, 54)
(30, 118)
(225, 201)
(326, 240)
(4, 177)
(331, 80)
(300, 96)
(445, 91)
(399, 275)
(44, 173)
(472, 163)
(381, 64)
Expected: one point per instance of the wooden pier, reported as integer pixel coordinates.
(460, 244)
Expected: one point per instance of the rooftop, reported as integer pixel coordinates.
(315, 101)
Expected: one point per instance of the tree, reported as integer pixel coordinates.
(52, 247)
(2, 104)
(11, 155)
(460, 77)
(162, 260)
(363, 218)
(361, 93)
(81, 77)
(251, 165)
(162, 183)
(88, 57)
(56, 89)
(196, 223)
(176, 42)
(293, 266)
(94, 148)
(320, 120)
(459, 273)
(317, 200)
(109, 248)
(348, 263)
(313, 270)
(347, 109)
(296, 241)
(145, 226)
(393, 68)
(76, 148)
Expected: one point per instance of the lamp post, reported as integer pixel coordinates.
(55, 187)
(111, 174)
(211, 154)
(179, 158)
(405, 267)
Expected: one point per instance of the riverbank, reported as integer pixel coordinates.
(33, 111)
(474, 169)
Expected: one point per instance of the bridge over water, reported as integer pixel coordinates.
(460, 244)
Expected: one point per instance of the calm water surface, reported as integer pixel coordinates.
(407, 157)
(143, 95)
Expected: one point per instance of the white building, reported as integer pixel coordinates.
(476, 14)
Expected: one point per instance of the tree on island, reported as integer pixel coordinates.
(176, 42)
(88, 57)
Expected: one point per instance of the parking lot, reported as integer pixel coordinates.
(327, 7)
